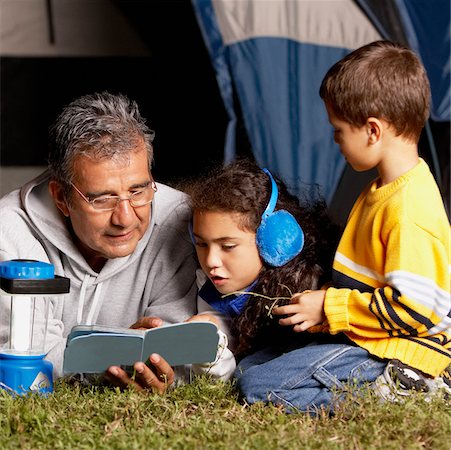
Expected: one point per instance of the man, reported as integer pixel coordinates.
(99, 217)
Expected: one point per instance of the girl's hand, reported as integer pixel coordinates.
(204, 318)
(306, 309)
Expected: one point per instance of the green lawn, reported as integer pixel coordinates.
(208, 414)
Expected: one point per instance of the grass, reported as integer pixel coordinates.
(209, 415)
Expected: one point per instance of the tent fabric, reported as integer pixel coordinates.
(206, 18)
(270, 57)
(428, 33)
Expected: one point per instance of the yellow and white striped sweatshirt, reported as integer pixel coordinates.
(391, 274)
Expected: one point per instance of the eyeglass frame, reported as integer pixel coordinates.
(152, 185)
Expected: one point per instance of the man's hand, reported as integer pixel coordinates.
(305, 310)
(156, 374)
(144, 323)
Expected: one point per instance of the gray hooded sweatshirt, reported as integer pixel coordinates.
(158, 279)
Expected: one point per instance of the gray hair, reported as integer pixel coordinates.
(101, 125)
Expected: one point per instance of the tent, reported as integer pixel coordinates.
(241, 71)
(270, 57)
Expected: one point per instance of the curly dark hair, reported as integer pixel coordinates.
(242, 187)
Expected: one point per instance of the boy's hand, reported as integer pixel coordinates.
(305, 310)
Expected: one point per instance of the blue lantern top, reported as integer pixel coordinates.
(25, 269)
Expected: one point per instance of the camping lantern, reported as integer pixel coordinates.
(25, 287)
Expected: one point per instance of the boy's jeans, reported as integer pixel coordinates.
(306, 378)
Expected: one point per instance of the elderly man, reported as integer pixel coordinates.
(99, 217)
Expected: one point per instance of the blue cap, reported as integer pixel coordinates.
(26, 269)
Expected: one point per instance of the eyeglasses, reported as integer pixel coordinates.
(109, 202)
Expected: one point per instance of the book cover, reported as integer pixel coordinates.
(94, 348)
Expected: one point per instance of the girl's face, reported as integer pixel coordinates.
(227, 254)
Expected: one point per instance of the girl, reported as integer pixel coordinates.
(239, 212)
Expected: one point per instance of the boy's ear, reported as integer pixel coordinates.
(374, 129)
(57, 193)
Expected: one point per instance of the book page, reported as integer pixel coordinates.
(79, 330)
(94, 353)
(183, 343)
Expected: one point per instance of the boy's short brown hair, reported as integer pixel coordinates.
(383, 80)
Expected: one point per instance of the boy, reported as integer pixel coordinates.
(391, 280)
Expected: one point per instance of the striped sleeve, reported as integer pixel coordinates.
(411, 297)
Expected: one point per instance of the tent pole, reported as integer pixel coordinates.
(50, 19)
(434, 157)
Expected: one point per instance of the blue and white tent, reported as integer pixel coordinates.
(271, 55)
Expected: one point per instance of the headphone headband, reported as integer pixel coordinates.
(274, 195)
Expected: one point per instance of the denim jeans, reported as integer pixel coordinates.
(306, 378)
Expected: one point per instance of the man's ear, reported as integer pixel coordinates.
(374, 129)
(57, 193)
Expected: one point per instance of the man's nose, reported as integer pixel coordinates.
(124, 214)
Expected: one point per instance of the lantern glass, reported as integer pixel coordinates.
(26, 318)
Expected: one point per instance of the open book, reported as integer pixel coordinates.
(94, 348)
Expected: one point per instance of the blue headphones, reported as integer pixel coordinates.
(279, 236)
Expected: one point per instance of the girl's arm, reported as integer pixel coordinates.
(224, 364)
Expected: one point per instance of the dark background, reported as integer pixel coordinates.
(175, 88)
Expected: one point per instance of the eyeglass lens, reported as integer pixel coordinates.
(136, 199)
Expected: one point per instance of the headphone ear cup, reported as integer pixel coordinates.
(279, 238)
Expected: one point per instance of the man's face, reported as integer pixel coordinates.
(102, 235)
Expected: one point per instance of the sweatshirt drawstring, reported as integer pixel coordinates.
(81, 301)
(81, 298)
(94, 304)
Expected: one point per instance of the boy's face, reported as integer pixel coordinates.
(353, 143)
(227, 254)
